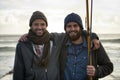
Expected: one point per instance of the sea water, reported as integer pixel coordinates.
(111, 43)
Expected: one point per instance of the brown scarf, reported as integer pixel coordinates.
(45, 39)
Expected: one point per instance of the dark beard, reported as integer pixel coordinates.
(34, 31)
(74, 38)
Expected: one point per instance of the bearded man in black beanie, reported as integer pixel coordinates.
(37, 58)
(74, 63)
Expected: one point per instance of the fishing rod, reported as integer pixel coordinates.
(89, 30)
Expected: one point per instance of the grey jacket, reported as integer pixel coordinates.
(23, 65)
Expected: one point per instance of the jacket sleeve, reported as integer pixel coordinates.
(94, 36)
(104, 65)
(18, 73)
(58, 37)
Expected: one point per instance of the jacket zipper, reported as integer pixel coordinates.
(46, 73)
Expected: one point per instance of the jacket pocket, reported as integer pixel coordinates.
(39, 74)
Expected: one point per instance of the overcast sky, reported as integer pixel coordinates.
(15, 14)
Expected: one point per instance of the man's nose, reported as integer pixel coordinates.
(72, 28)
(39, 26)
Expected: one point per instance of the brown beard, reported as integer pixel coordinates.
(34, 31)
(74, 38)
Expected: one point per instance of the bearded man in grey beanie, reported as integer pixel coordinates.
(37, 57)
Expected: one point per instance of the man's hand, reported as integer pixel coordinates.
(90, 70)
(23, 38)
(96, 44)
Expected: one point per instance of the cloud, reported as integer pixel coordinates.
(15, 14)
